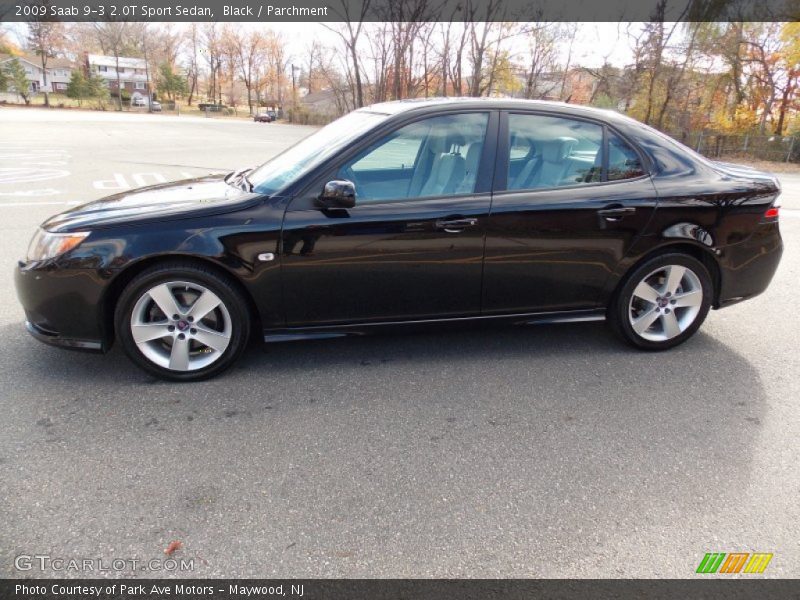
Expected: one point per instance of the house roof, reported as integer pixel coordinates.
(321, 96)
(52, 63)
(126, 62)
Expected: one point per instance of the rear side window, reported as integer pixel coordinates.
(623, 161)
(552, 152)
(547, 152)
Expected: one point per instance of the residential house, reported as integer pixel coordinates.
(323, 102)
(133, 76)
(59, 71)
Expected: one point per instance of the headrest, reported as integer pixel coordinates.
(438, 143)
(442, 142)
(558, 149)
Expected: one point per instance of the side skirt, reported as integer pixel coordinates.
(291, 334)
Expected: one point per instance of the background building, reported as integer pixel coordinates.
(59, 70)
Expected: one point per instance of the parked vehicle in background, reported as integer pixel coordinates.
(210, 107)
(265, 116)
(155, 106)
(409, 213)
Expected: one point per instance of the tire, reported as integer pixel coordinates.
(205, 339)
(662, 302)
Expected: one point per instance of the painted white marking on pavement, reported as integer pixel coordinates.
(27, 174)
(29, 204)
(140, 180)
(119, 183)
(24, 193)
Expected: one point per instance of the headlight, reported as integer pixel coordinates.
(46, 245)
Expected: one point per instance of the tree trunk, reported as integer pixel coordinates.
(44, 78)
(119, 83)
(357, 74)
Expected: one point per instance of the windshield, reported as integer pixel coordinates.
(277, 173)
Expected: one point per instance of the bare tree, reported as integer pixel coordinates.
(349, 33)
(118, 38)
(45, 39)
(212, 50)
(193, 70)
(248, 50)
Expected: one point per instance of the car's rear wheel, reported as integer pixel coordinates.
(182, 322)
(663, 302)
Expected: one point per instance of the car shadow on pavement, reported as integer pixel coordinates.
(530, 434)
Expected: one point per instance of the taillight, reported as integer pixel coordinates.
(772, 213)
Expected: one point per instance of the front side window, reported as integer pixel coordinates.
(433, 157)
(285, 168)
(548, 152)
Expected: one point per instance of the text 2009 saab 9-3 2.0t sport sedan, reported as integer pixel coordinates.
(407, 213)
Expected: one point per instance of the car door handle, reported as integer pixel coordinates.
(455, 225)
(616, 213)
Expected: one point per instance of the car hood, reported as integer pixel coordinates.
(203, 195)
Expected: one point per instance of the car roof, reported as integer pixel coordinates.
(423, 104)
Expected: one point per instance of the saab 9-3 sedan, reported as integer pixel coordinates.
(410, 213)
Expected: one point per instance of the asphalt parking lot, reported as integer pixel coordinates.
(553, 451)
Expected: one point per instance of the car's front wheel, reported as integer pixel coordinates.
(663, 302)
(182, 322)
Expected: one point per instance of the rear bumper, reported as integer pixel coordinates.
(747, 268)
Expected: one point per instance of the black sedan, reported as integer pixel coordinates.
(410, 213)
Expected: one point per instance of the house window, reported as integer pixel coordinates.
(102, 68)
(140, 85)
(121, 70)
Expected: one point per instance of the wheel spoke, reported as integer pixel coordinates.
(671, 326)
(207, 302)
(691, 298)
(179, 357)
(215, 340)
(647, 292)
(163, 297)
(185, 304)
(641, 323)
(146, 332)
(674, 277)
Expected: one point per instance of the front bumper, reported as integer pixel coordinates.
(63, 307)
(54, 339)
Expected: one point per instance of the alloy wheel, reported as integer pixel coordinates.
(665, 303)
(181, 326)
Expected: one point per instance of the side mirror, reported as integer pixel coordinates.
(339, 193)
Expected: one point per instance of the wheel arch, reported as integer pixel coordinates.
(130, 272)
(704, 254)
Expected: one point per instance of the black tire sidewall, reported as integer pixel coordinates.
(231, 298)
(619, 308)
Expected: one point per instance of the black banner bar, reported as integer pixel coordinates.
(396, 589)
(276, 11)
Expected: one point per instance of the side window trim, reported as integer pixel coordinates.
(504, 153)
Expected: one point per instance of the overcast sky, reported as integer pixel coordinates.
(593, 44)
